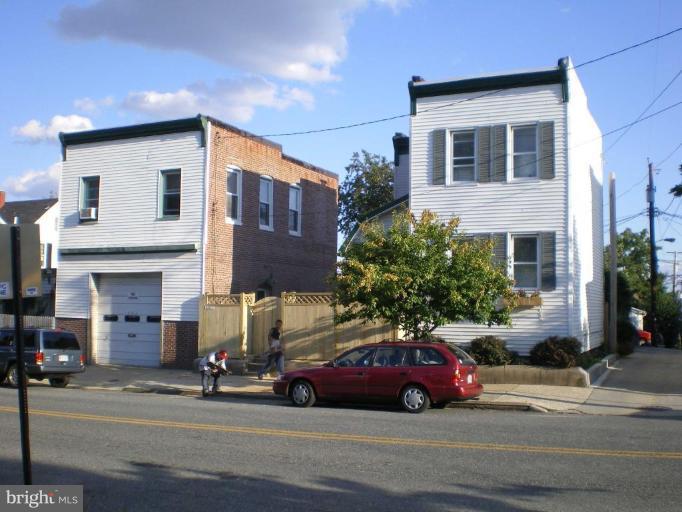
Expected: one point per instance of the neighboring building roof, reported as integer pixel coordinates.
(191, 124)
(374, 213)
(554, 75)
(27, 211)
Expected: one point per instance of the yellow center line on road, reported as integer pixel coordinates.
(352, 438)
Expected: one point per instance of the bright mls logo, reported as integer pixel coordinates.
(66, 498)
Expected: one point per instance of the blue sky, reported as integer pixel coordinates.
(272, 67)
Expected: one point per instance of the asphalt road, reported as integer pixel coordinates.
(154, 452)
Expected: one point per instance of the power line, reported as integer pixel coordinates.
(670, 155)
(489, 93)
(651, 104)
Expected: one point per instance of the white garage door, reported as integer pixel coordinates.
(129, 319)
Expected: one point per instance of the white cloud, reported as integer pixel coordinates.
(35, 131)
(229, 99)
(297, 39)
(34, 184)
(92, 106)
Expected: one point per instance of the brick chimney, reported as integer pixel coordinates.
(2, 198)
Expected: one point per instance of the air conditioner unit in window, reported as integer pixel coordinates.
(88, 214)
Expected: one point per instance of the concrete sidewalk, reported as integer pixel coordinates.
(648, 382)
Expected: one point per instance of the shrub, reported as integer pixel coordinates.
(627, 337)
(490, 350)
(556, 352)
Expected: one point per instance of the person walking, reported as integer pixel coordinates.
(276, 353)
(212, 365)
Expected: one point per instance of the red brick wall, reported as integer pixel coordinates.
(241, 258)
(179, 344)
(78, 326)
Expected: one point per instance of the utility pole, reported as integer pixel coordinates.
(613, 267)
(653, 276)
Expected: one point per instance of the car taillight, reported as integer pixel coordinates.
(456, 376)
(82, 359)
(40, 357)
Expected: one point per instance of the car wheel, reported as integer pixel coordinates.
(414, 399)
(13, 376)
(302, 393)
(59, 382)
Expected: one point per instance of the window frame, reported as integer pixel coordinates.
(537, 263)
(82, 189)
(295, 186)
(513, 153)
(162, 193)
(270, 226)
(450, 165)
(232, 169)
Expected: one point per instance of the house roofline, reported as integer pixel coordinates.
(191, 124)
(369, 216)
(555, 75)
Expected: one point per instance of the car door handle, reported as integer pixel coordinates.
(361, 373)
(403, 373)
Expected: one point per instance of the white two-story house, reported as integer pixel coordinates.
(518, 158)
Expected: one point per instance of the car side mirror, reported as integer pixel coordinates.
(332, 364)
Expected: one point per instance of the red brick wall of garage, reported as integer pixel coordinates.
(241, 258)
(179, 343)
(78, 326)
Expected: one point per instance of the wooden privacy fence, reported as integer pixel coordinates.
(241, 325)
(43, 322)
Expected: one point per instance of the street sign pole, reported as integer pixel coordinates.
(19, 344)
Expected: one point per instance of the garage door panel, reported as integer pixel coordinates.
(129, 342)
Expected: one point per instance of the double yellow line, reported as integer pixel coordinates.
(324, 436)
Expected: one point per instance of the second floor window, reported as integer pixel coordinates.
(526, 262)
(525, 160)
(294, 210)
(265, 203)
(89, 196)
(170, 193)
(233, 207)
(463, 156)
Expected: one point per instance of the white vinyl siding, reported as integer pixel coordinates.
(524, 141)
(294, 210)
(233, 203)
(265, 203)
(129, 217)
(513, 206)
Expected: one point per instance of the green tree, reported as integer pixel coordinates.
(367, 186)
(632, 252)
(419, 275)
(669, 315)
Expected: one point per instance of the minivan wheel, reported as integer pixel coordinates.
(302, 393)
(13, 376)
(414, 399)
(59, 382)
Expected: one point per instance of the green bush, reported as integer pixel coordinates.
(556, 352)
(490, 350)
(627, 337)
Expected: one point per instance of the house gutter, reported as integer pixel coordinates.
(204, 234)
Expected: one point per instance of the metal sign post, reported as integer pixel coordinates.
(19, 278)
(19, 344)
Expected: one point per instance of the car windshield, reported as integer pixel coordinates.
(462, 356)
(60, 341)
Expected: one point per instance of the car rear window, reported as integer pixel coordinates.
(427, 356)
(462, 356)
(60, 341)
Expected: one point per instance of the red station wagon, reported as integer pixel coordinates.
(418, 374)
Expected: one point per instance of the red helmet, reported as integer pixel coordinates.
(221, 355)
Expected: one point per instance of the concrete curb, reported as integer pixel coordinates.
(497, 406)
(599, 371)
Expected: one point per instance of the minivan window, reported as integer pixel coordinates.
(462, 356)
(60, 341)
(7, 339)
(426, 356)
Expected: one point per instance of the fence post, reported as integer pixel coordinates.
(243, 324)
